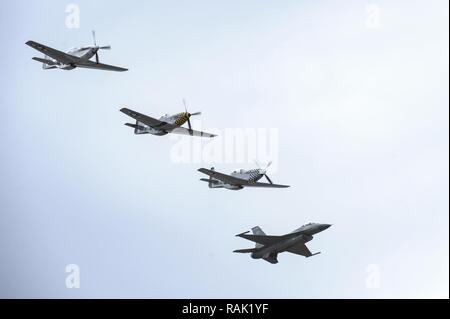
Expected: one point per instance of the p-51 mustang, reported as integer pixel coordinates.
(74, 58)
(268, 247)
(238, 179)
(165, 125)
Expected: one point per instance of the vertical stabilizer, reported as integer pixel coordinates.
(258, 231)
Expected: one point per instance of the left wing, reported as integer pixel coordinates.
(61, 57)
(87, 64)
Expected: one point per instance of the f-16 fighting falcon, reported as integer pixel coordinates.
(268, 247)
(165, 125)
(238, 179)
(73, 58)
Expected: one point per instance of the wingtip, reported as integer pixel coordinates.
(315, 254)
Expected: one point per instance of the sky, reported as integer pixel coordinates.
(351, 97)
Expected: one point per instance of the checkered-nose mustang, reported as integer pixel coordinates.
(165, 125)
(238, 179)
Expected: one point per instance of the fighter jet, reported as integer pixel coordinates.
(268, 247)
(238, 179)
(73, 58)
(166, 124)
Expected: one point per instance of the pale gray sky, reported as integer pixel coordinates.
(358, 92)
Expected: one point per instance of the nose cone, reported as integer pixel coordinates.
(324, 226)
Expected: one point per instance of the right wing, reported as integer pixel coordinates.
(186, 131)
(268, 185)
(150, 121)
(61, 57)
(87, 64)
(300, 249)
(228, 179)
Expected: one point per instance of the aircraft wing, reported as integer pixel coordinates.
(87, 64)
(268, 185)
(223, 177)
(262, 239)
(300, 249)
(150, 121)
(186, 131)
(266, 239)
(61, 57)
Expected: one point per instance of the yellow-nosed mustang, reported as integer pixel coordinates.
(165, 125)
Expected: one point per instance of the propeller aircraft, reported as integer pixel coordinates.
(73, 58)
(165, 125)
(239, 179)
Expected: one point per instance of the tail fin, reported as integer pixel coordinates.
(258, 231)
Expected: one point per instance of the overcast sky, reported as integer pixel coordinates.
(353, 99)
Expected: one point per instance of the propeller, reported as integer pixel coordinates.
(263, 171)
(189, 114)
(96, 47)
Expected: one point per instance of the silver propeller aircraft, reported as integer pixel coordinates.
(238, 179)
(73, 58)
(268, 247)
(165, 125)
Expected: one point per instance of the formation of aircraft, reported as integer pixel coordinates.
(74, 58)
(238, 179)
(165, 124)
(268, 247)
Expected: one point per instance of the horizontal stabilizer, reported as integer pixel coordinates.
(239, 235)
(313, 254)
(45, 61)
(209, 180)
(249, 250)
